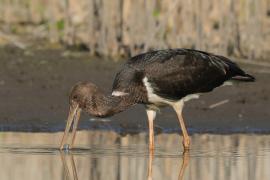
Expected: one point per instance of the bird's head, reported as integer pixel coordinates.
(82, 94)
(86, 96)
(82, 97)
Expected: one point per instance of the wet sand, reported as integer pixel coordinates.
(34, 87)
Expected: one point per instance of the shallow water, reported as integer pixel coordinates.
(106, 155)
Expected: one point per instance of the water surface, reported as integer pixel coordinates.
(106, 155)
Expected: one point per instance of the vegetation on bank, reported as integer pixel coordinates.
(126, 27)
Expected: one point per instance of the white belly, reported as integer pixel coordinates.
(157, 100)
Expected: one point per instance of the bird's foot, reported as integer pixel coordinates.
(186, 150)
(186, 144)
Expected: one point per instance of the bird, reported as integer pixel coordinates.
(158, 78)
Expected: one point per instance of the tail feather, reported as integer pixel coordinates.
(235, 71)
(245, 77)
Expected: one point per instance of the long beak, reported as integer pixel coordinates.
(73, 118)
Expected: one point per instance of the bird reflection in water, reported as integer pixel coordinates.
(70, 170)
(69, 165)
(184, 164)
(150, 166)
(185, 161)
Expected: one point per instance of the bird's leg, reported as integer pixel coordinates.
(72, 113)
(178, 107)
(75, 125)
(151, 114)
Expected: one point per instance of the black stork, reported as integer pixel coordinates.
(156, 79)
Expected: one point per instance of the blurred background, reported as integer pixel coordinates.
(112, 28)
(46, 46)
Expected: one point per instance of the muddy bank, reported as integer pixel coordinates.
(34, 89)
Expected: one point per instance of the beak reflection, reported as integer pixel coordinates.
(69, 166)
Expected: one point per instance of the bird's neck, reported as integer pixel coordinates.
(108, 105)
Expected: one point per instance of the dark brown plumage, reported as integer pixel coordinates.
(93, 101)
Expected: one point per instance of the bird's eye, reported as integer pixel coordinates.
(75, 97)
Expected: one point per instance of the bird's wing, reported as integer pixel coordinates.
(173, 74)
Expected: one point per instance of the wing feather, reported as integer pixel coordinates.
(175, 73)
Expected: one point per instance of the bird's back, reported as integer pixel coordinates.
(174, 73)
